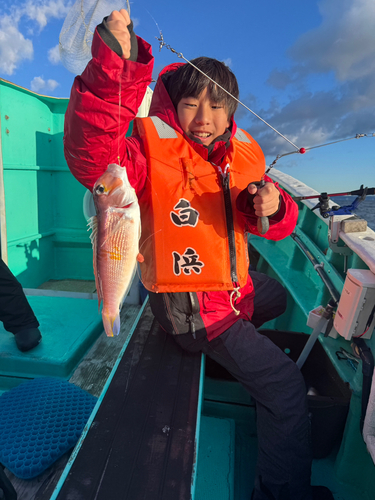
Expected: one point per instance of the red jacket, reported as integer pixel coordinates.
(94, 137)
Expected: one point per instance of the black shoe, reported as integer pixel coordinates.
(321, 493)
(28, 339)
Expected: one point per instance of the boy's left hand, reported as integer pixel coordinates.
(117, 23)
(266, 199)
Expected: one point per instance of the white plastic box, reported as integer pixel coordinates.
(356, 305)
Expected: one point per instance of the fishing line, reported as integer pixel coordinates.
(162, 44)
(139, 252)
(119, 122)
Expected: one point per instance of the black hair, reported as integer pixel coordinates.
(186, 81)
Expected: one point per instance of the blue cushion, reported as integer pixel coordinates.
(40, 420)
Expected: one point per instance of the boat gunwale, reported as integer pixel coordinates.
(357, 242)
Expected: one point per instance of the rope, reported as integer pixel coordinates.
(233, 300)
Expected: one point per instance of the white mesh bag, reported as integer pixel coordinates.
(78, 29)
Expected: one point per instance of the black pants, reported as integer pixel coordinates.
(15, 311)
(276, 384)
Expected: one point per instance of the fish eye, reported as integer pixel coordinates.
(100, 189)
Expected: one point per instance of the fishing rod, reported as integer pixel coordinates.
(358, 192)
(304, 150)
(327, 211)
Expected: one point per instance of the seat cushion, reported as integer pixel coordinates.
(40, 420)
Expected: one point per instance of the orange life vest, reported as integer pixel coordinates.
(192, 235)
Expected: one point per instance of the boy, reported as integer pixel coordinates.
(191, 168)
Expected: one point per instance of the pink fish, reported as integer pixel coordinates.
(115, 236)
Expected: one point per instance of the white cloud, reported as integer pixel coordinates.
(38, 84)
(343, 43)
(14, 47)
(315, 118)
(342, 47)
(41, 11)
(228, 62)
(54, 55)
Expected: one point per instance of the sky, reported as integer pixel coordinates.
(307, 68)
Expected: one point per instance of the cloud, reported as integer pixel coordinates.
(54, 55)
(250, 101)
(336, 50)
(14, 47)
(41, 11)
(38, 84)
(228, 62)
(343, 43)
(314, 118)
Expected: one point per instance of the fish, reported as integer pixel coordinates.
(115, 233)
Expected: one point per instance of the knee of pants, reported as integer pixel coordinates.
(279, 302)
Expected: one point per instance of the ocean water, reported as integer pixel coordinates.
(365, 210)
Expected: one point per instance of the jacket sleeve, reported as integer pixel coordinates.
(282, 223)
(103, 102)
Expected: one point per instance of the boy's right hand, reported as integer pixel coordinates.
(117, 23)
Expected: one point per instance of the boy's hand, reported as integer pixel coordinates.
(266, 199)
(117, 23)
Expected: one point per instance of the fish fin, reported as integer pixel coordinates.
(93, 225)
(111, 324)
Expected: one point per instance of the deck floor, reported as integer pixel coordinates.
(80, 286)
(91, 375)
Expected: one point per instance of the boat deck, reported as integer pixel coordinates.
(91, 374)
(227, 439)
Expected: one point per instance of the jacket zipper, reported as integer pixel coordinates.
(225, 178)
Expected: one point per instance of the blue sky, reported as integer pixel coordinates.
(308, 68)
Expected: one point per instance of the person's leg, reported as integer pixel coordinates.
(270, 298)
(276, 384)
(15, 311)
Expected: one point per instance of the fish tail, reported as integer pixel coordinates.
(111, 324)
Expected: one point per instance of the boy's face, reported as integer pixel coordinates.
(201, 118)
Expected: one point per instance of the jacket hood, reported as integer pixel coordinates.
(162, 106)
